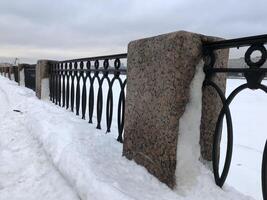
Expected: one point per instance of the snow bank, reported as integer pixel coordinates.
(25, 171)
(91, 160)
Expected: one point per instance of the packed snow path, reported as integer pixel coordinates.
(25, 171)
(44, 145)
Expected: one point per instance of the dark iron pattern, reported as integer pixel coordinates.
(9, 71)
(72, 85)
(30, 76)
(254, 75)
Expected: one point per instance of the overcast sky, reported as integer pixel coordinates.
(58, 29)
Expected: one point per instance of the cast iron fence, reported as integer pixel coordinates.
(30, 76)
(9, 71)
(72, 85)
(254, 76)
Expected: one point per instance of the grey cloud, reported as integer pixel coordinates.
(90, 25)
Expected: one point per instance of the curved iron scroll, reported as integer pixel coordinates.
(73, 84)
(254, 75)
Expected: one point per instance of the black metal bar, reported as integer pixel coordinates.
(29, 76)
(236, 43)
(63, 74)
(99, 105)
(59, 84)
(53, 82)
(121, 111)
(101, 70)
(56, 74)
(50, 82)
(70, 87)
(91, 100)
(236, 70)
(83, 93)
(77, 76)
(109, 106)
(114, 56)
(72, 90)
(254, 75)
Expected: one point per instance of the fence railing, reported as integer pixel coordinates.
(86, 86)
(73, 85)
(254, 76)
(10, 71)
(30, 76)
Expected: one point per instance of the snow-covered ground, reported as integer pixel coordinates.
(25, 170)
(49, 153)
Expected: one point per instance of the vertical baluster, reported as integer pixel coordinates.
(68, 85)
(50, 81)
(56, 82)
(72, 90)
(83, 91)
(121, 103)
(63, 73)
(109, 109)
(109, 104)
(53, 82)
(78, 76)
(121, 111)
(59, 83)
(9, 73)
(91, 92)
(99, 104)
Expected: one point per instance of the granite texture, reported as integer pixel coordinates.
(211, 106)
(159, 72)
(42, 72)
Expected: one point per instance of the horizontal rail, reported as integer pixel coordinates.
(110, 71)
(236, 70)
(114, 56)
(236, 43)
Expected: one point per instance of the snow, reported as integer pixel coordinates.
(25, 171)
(45, 89)
(188, 148)
(22, 78)
(70, 156)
